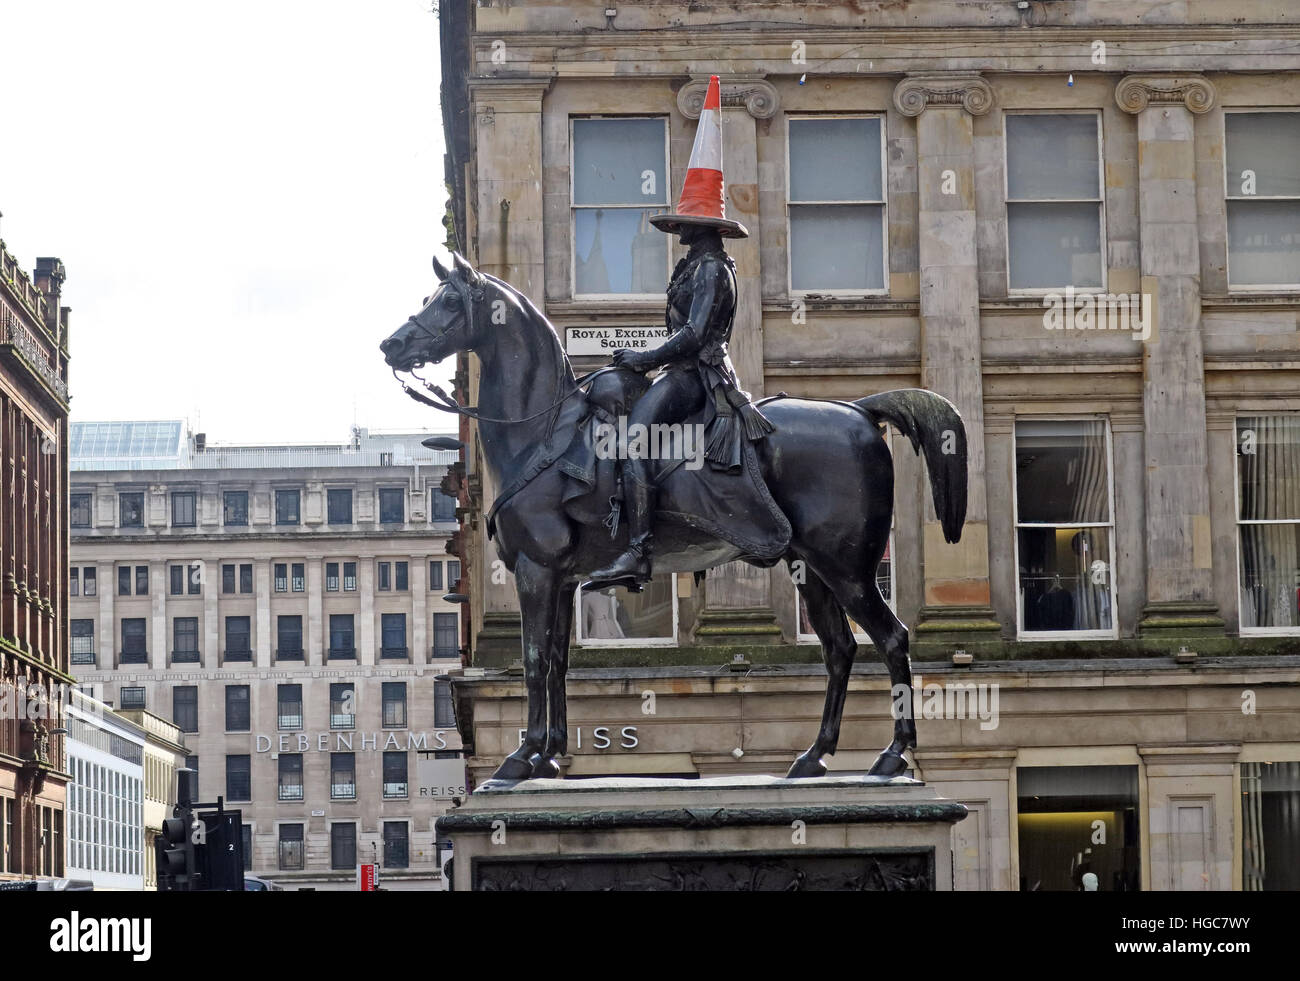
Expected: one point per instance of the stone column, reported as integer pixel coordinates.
(507, 114)
(262, 598)
(211, 614)
(1191, 813)
(1180, 599)
(364, 636)
(418, 582)
(106, 585)
(313, 628)
(159, 583)
(956, 611)
(738, 597)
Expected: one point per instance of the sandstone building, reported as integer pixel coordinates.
(1081, 223)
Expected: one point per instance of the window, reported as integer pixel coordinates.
(1061, 805)
(79, 510)
(385, 576)
(446, 635)
(444, 715)
(349, 577)
(238, 717)
(392, 505)
(291, 845)
(394, 634)
(341, 644)
(291, 776)
(395, 845)
(286, 507)
(1268, 523)
(343, 776)
(343, 708)
(131, 698)
(185, 707)
(836, 213)
(83, 641)
(401, 576)
(246, 833)
(394, 704)
(620, 179)
(395, 774)
(123, 580)
(614, 618)
(238, 637)
(131, 510)
(133, 650)
(183, 510)
(1054, 214)
(343, 846)
(246, 578)
(227, 578)
(88, 581)
(288, 637)
(1263, 191)
(196, 580)
(288, 706)
(299, 579)
(435, 575)
(331, 577)
(235, 507)
(281, 577)
(1064, 527)
(1270, 804)
(14, 854)
(142, 580)
(192, 763)
(442, 507)
(176, 579)
(239, 777)
(74, 581)
(453, 573)
(338, 502)
(185, 640)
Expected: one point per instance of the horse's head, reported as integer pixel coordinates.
(448, 322)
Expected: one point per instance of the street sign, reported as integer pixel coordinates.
(367, 877)
(605, 341)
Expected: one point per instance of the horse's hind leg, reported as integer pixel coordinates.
(869, 608)
(838, 650)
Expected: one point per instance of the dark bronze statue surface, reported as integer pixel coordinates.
(824, 473)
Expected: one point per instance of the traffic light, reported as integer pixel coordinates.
(175, 852)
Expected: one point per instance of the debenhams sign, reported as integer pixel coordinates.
(349, 742)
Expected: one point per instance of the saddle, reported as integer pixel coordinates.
(708, 476)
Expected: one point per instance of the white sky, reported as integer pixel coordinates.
(246, 196)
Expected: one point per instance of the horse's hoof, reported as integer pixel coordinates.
(545, 768)
(806, 766)
(888, 764)
(513, 769)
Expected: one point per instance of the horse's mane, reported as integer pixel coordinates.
(538, 318)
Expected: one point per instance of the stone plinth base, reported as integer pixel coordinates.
(720, 833)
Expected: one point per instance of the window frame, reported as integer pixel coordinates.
(194, 508)
(281, 702)
(1101, 203)
(1036, 635)
(791, 291)
(390, 492)
(230, 690)
(1237, 523)
(236, 655)
(672, 641)
(666, 205)
(181, 655)
(121, 514)
(351, 863)
(433, 627)
(247, 757)
(297, 515)
(330, 492)
(288, 653)
(300, 841)
(190, 690)
(225, 509)
(72, 509)
(1228, 197)
(351, 757)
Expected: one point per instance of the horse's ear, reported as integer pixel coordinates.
(467, 271)
(440, 269)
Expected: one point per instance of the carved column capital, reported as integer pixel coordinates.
(1135, 92)
(753, 93)
(916, 93)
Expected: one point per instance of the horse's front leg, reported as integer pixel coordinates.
(539, 589)
(557, 743)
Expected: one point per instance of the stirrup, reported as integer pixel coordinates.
(631, 583)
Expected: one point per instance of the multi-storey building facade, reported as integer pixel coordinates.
(33, 564)
(283, 607)
(164, 754)
(1079, 222)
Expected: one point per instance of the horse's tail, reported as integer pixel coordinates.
(934, 425)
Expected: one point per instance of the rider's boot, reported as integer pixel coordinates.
(634, 564)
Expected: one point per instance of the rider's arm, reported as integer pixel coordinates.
(687, 341)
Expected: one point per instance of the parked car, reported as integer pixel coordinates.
(253, 883)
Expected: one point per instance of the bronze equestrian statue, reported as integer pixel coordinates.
(808, 481)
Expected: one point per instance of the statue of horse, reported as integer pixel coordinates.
(827, 466)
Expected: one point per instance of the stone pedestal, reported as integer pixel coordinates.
(731, 834)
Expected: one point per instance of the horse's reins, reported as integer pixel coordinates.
(445, 403)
